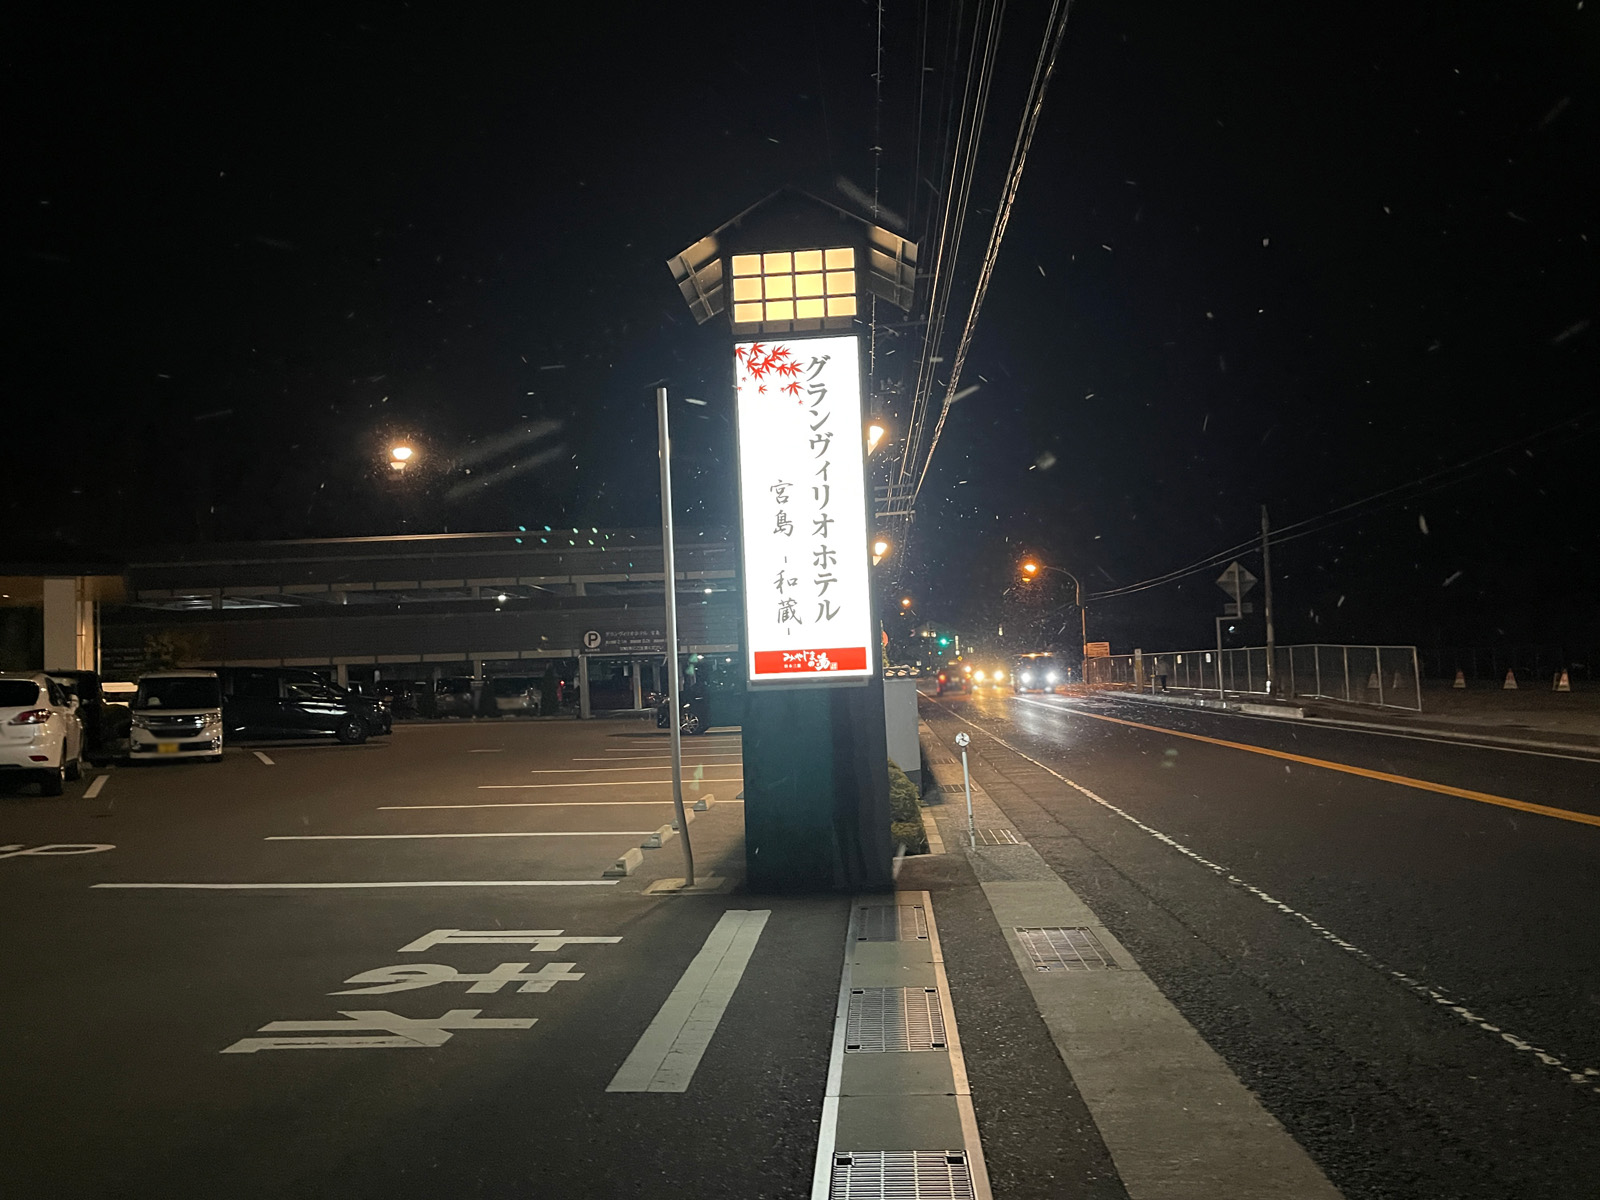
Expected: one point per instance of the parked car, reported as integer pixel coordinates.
(177, 714)
(293, 702)
(40, 735)
(455, 696)
(517, 694)
(105, 722)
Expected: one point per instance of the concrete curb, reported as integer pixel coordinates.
(632, 859)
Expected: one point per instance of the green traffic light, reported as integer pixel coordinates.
(944, 641)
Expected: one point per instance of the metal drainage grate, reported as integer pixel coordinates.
(901, 1175)
(999, 837)
(894, 1019)
(892, 923)
(1065, 950)
(955, 789)
(943, 760)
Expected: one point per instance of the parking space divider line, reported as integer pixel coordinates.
(669, 1051)
(381, 837)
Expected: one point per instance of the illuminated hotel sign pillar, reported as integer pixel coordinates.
(790, 275)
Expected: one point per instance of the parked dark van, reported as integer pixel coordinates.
(293, 702)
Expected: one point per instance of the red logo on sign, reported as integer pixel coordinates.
(811, 662)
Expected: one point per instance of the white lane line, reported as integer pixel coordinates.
(500, 751)
(538, 804)
(383, 837)
(666, 1056)
(96, 787)
(407, 883)
(622, 783)
(264, 759)
(1585, 1076)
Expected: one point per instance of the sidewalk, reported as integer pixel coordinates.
(1104, 1072)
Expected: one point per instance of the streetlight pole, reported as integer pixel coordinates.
(670, 569)
(1077, 592)
(1266, 579)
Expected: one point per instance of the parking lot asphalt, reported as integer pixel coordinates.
(291, 974)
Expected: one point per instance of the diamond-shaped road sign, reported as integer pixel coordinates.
(1236, 581)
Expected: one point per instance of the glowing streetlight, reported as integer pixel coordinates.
(876, 431)
(400, 455)
(880, 550)
(905, 602)
(1030, 569)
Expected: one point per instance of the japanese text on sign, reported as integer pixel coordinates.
(803, 510)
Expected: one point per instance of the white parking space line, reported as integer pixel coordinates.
(95, 787)
(538, 804)
(499, 751)
(264, 758)
(606, 770)
(386, 837)
(625, 783)
(396, 883)
(666, 1056)
(629, 757)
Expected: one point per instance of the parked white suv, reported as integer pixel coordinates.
(177, 714)
(40, 733)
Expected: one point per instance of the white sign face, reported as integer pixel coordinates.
(802, 510)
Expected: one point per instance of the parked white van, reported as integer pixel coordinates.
(177, 714)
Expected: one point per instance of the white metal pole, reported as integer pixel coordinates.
(972, 837)
(670, 573)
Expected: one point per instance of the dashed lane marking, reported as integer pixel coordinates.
(1425, 785)
(265, 760)
(1588, 1077)
(96, 786)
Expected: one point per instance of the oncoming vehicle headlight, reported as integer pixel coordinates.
(1054, 678)
(999, 675)
(978, 675)
(1027, 677)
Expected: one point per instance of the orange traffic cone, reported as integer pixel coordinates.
(1510, 685)
(1461, 681)
(1563, 684)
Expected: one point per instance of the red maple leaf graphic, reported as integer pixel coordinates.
(792, 388)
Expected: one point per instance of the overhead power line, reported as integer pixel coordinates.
(1434, 481)
(1044, 68)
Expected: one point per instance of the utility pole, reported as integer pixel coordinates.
(1266, 580)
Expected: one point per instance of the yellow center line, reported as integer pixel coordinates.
(1444, 789)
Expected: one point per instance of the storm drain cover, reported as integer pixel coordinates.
(944, 760)
(956, 789)
(1065, 950)
(901, 1175)
(999, 837)
(892, 923)
(889, 1019)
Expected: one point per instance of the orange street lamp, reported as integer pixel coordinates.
(400, 455)
(880, 550)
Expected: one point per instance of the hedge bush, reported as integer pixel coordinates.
(905, 816)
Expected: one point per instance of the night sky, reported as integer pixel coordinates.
(1262, 253)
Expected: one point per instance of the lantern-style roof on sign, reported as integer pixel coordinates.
(792, 263)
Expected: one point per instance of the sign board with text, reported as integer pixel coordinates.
(1097, 649)
(802, 511)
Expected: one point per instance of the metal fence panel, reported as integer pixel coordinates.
(1380, 676)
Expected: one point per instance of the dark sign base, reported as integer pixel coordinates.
(816, 789)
